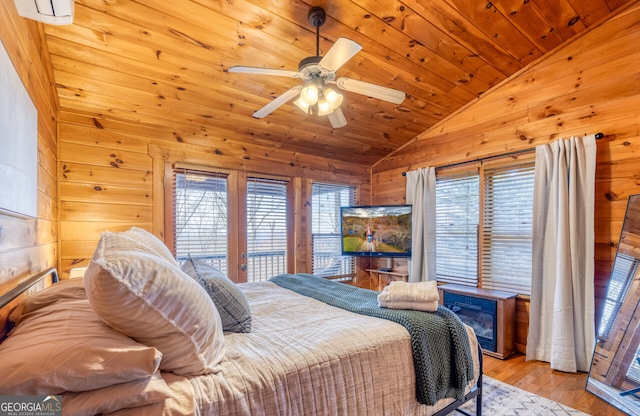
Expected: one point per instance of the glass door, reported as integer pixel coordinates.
(267, 242)
(236, 223)
(201, 218)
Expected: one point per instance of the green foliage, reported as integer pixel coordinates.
(352, 244)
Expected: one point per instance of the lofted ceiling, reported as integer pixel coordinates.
(164, 64)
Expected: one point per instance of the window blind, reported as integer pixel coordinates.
(624, 269)
(326, 200)
(266, 228)
(634, 369)
(201, 217)
(457, 219)
(507, 228)
(484, 225)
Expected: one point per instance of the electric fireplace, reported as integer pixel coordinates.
(491, 314)
(480, 314)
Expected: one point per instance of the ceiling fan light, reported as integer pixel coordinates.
(333, 98)
(337, 118)
(309, 94)
(302, 105)
(324, 108)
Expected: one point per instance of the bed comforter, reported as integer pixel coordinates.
(304, 357)
(433, 334)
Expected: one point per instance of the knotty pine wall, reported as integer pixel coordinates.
(106, 174)
(591, 85)
(110, 178)
(30, 245)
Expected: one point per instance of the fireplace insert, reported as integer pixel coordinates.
(479, 314)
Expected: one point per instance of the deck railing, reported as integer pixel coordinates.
(265, 264)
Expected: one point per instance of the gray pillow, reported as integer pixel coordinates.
(231, 303)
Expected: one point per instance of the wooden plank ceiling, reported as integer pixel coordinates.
(163, 64)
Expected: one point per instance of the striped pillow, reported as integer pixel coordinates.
(141, 294)
(154, 243)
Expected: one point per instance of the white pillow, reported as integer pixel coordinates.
(146, 297)
(154, 243)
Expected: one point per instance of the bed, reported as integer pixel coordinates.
(137, 337)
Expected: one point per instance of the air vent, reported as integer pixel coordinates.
(53, 12)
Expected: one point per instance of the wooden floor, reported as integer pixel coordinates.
(537, 377)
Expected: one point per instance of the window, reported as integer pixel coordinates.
(484, 225)
(624, 269)
(633, 374)
(507, 228)
(326, 200)
(266, 228)
(201, 217)
(457, 220)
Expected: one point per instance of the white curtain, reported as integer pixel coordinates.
(421, 193)
(561, 322)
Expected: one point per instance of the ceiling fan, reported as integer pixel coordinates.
(317, 72)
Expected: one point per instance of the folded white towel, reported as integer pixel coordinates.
(400, 291)
(417, 306)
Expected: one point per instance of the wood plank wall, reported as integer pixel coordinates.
(591, 85)
(107, 171)
(30, 245)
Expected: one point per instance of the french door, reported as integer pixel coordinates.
(235, 221)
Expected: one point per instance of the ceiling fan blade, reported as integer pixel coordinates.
(341, 51)
(371, 90)
(277, 102)
(337, 118)
(264, 71)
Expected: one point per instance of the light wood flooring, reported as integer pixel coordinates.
(537, 377)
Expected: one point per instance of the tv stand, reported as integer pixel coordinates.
(384, 276)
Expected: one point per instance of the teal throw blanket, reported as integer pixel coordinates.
(441, 351)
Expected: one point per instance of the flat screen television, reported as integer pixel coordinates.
(376, 231)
